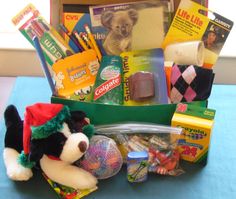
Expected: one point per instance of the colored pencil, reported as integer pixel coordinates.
(71, 36)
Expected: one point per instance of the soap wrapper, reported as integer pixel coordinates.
(144, 77)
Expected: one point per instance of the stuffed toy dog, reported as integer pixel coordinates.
(48, 136)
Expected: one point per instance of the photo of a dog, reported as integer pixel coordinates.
(120, 25)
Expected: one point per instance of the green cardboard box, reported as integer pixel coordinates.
(108, 114)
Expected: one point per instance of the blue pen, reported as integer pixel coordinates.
(43, 63)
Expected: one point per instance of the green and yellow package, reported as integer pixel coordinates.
(108, 87)
(197, 123)
(144, 77)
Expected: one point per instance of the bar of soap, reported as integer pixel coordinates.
(141, 86)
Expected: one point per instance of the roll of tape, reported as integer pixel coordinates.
(185, 53)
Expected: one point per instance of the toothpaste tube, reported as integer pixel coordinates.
(108, 85)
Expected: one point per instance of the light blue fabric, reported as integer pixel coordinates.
(217, 180)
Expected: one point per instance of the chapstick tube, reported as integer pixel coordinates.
(137, 166)
(185, 53)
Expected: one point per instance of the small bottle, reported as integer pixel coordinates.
(137, 166)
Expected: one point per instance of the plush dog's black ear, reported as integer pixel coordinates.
(77, 121)
(14, 129)
(11, 116)
(77, 116)
(37, 148)
(133, 14)
(106, 19)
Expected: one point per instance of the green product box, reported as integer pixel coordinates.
(108, 114)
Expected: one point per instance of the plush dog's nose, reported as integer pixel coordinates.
(82, 146)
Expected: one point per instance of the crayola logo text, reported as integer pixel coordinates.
(191, 130)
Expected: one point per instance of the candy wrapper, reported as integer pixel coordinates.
(65, 192)
(159, 141)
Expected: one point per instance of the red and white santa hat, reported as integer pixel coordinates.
(41, 120)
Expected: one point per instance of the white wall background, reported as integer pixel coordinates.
(226, 9)
(17, 56)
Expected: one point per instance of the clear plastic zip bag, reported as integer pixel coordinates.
(159, 141)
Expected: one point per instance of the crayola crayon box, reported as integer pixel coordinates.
(197, 123)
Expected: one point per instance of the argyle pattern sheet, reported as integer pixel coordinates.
(190, 83)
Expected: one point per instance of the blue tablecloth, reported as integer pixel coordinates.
(216, 180)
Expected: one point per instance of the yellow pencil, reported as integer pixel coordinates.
(90, 35)
(80, 40)
(83, 35)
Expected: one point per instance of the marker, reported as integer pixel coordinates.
(72, 37)
(91, 37)
(81, 41)
(43, 63)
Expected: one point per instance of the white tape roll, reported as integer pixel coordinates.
(185, 53)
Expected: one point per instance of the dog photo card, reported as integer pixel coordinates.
(130, 26)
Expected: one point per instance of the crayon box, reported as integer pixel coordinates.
(197, 123)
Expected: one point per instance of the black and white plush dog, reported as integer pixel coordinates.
(48, 135)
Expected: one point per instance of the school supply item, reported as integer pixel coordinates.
(144, 77)
(191, 24)
(30, 23)
(80, 40)
(130, 26)
(108, 88)
(137, 166)
(91, 37)
(190, 83)
(44, 64)
(197, 124)
(75, 75)
(74, 19)
(72, 37)
(177, 53)
(86, 39)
